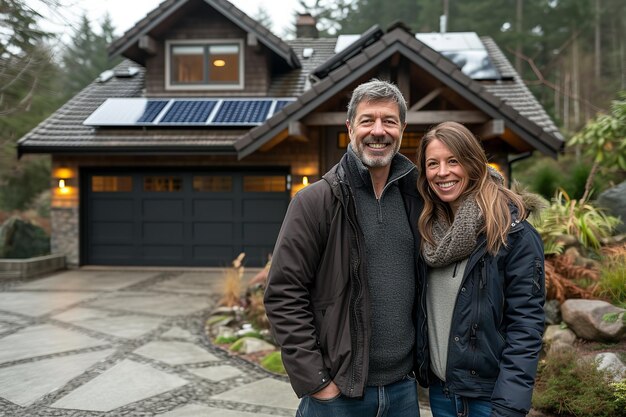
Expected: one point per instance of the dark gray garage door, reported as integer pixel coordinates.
(181, 219)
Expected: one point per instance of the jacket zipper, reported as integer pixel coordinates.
(358, 291)
(482, 282)
(468, 268)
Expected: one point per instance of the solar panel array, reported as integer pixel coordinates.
(185, 112)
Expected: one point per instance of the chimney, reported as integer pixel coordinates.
(305, 26)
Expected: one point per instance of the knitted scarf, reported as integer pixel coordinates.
(456, 241)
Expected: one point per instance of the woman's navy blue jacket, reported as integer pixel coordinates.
(498, 323)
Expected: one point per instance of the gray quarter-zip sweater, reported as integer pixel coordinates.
(390, 269)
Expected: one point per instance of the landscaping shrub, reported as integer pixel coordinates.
(232, 285)
(612, 282)
(255, 309)
(577, 218)
(542, 175)
(570, 386)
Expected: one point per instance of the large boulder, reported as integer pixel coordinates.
(613, 201)
(595, 320)
(21, 239)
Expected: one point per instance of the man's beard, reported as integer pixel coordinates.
(376, 162)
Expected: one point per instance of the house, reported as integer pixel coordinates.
(188, 152)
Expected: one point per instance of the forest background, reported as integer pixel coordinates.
(570, 53)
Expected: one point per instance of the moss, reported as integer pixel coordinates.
(225, 340)
(273, 363)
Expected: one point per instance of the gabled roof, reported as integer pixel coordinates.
(167, 9)
(522, 114)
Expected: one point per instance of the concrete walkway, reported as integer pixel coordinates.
(125, 343)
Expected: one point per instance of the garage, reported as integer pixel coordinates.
(190, 218)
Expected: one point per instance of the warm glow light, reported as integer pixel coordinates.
(305, 181)
(219, 63)
(61, 183)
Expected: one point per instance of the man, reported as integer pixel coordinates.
(343, 282)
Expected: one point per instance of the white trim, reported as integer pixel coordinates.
(203, 87)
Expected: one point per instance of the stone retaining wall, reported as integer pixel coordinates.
(31, 267)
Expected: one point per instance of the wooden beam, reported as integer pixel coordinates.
(275, 141)
(404, 80)
(412, 118)
(492, 129)
(148, 44)
(426, 99)
(252, 40)
(298, 131)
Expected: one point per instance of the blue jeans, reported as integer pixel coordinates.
(394, 400)
(445, 404)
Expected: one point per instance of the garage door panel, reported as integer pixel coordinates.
(258, 209)
(216, 255)
(205, 219)
(217, 210)
(112, 232)
(163, 252)
(260, 233)
(114, 252)
(155, 232)
(213, 233)
(257, 255)
(163, 209)
(112, 210)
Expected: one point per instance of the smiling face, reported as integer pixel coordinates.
(376, 132)
(444, 173)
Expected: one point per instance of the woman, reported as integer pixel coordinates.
(485, 281)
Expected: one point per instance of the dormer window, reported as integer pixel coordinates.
(204, 65)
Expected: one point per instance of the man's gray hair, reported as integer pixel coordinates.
(376, 90)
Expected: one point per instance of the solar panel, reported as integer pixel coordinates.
(466, 50)
(280, 104)
(189, 112)
(118, 112)
(153, 108)
(243, 112)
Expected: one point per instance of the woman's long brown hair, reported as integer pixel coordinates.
(492, 197)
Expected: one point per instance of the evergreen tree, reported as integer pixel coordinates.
(86, 57)
(263, 17)
(29, 92)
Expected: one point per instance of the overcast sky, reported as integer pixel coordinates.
(125, 13)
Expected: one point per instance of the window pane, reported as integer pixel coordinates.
(265, 184)
(187, 64)
(224, 49)
(213, 183)
(342, 140)
(111, 184)
(224, 64)
(162, 184)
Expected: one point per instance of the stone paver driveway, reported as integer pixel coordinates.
(124, 343)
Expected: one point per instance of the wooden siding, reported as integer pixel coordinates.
(206, 24)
